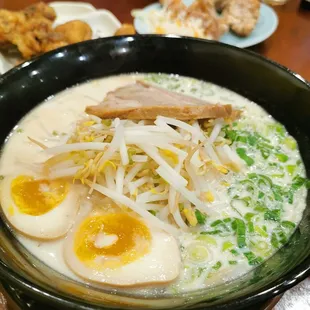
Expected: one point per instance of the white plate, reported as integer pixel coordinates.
(266, 26)
(102, 22)
(71, 8)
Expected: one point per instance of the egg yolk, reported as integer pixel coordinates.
(37, 197)
(133, 240)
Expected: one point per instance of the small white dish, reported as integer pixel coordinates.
(266, 26)
(72, 8)
(102, 22)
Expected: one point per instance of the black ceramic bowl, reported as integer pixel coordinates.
(282, 93)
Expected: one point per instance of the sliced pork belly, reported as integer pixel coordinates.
(143, 101)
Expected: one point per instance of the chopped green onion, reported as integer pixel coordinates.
(282, 157)
(227, 245)
(242, 154)
(277, 192)
(201, 218)
(250, 186)
(274, 240)
(242, 139)
(261, 195)
(197, 252)
(232, 262)
(200, 271)
(217, 266)
(216, 223)
(231, 135)
(20, 130)
(290, 196)
(282, 237)
(288, 224)
(240, 231)
(220, 223)
(250, 227)
(278, 128)
(252, 140)
(278, 237)
(290, 143)
(249, 216)
(153, 212)
(260, 207)
(265, 153)
(261, 231)
(298, 182)
(212, 232)
(291, 169)
(273, 215)
(1, 177)
(262, 245)
(207, 239)
(234, 252)
(239, 203)
(278, 175)
(253, 259)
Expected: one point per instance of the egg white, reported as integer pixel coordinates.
(160, 265)
(53, 224)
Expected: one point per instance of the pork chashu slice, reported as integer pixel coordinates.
(143, 101)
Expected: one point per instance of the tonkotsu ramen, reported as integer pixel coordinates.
(151, 181)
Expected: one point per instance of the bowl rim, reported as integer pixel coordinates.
(275, 288)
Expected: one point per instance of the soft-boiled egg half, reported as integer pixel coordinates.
(43, 209)
(120, 249)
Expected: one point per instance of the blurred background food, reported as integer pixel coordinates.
(207, 19)
(125, 29)
(31, 30)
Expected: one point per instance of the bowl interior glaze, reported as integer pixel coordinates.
(285, 95)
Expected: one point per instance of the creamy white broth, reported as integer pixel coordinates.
(54, 121)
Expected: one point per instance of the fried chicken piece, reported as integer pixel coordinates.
(31, 30)
(75, 31)
(40, 9)
(221, 4)
(204, 10)
(52, 41)
(242, 16)
(8, 22)
(125, 29)
(25, 28)
(176, 7)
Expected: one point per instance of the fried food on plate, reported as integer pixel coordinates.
(211, 22)
(241, 15)
(201, 16)
(125, 29)
(31, 30)
(175, 7)
(24, 29)
(207, 19)
(75, 31)
(40, 10)
(220, 4)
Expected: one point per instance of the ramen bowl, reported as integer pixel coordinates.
(282, 93)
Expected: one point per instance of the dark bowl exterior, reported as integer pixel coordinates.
(285, 95)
